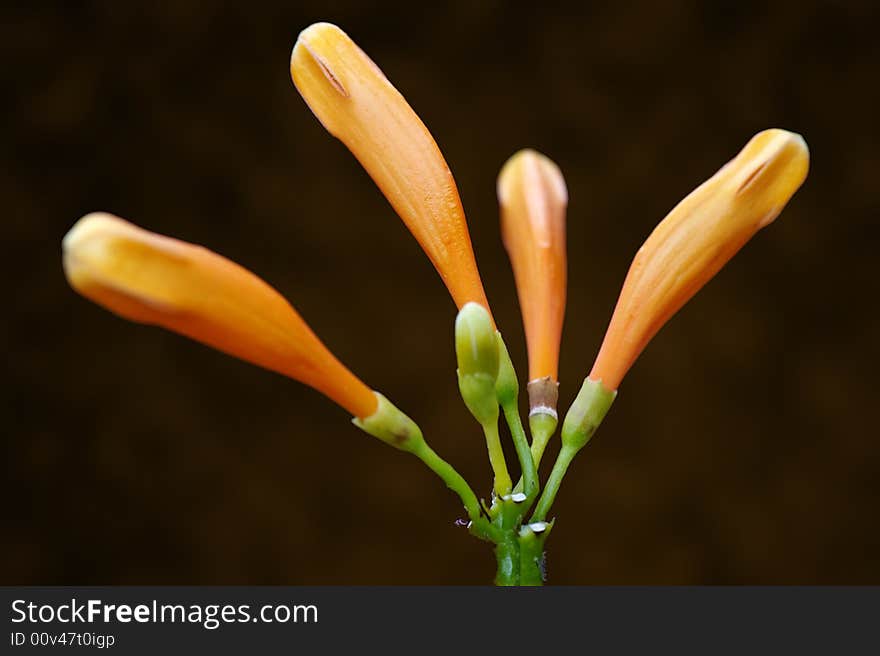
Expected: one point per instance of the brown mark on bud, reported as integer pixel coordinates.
(543, 396)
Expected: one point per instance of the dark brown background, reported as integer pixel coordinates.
(743, 447)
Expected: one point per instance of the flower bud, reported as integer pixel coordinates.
(476, 349)
(152, 279)
(357, 104)
(696, 239)
(533, 198)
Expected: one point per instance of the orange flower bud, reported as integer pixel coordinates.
(696, 239)
(157, 280)
(359, 106)
(533, 198)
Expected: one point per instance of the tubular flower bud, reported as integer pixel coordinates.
(157, 280)
(533, 198)
(696, 239)
(476, 349)
(357, 104)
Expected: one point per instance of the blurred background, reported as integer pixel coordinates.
(743, 446)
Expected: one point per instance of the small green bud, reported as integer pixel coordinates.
(478, 392)
(506, 385)
(476, 349)
(586, 413)
(392, 426)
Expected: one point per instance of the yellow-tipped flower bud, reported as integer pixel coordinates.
(151, 279)
(533, 198)
(476, 349)
(696, 239)
(359, 106)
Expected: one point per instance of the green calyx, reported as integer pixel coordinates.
(476, 349)
(586, 413)
(478, 393)
(542, 426)
(506, 384)
(392, 426)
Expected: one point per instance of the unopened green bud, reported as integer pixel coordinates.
(476, 349)
(586, 413)
(391, 426)
(506, 385)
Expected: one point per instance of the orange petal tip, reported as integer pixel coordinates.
(152, 279)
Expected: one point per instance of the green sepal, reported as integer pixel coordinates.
(478, 393)
(506, 384)
(586, 413)
(476, 349)
(542, 426)
(392, 426)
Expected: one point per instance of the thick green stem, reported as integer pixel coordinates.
(519, 549)
(507, 557)
(454, 481)
(519, 554)
(532, 560)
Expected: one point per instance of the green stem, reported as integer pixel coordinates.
(581, 421)
(532, 561)
(507, 393)
(523, 453)
(508, 559)
(496, 458)
(454, 481)
(519, 553)
(506, 521)
(563, 460)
